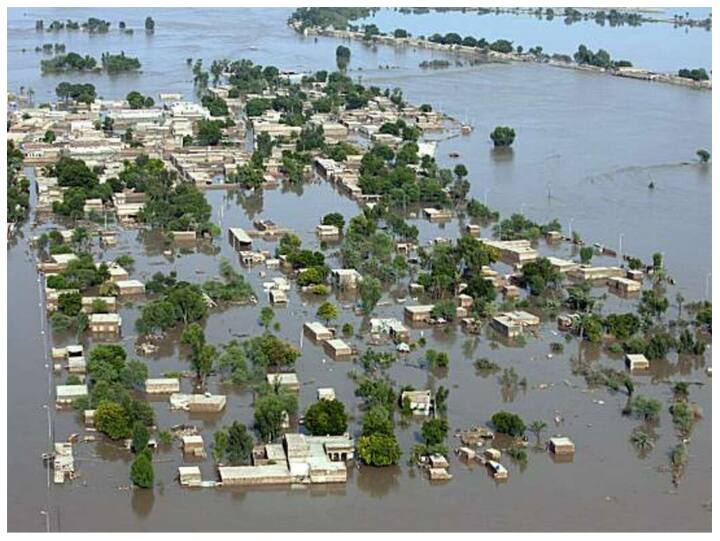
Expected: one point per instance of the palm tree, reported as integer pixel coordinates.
(680, 299)
(642, 440)
(536, 427)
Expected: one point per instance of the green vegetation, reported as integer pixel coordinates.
(322, 17)
(202, 355)
(508, 423)
(233, 444)
(137, 101)
(600, 59)
(646, 407)
(502, 136)
(18, 188)
(379, 449)
(697, 74)
(269, 411)
(181, 303)
(80, 93)
(141, 470)
(326, 417)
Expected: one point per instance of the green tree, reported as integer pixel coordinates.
(586, 254)
(502, 136)
(269, 411)
(703, 155)
(50, 137)
(646, 407)
(267, 314)
(370, 294)
(202, 354)
(326, 418)
(140, 437)
(377, 420)
(434, 431)
(141, 470)
(239, 444)
(112, 420)
(379, 449)
(327, 311)
(537, 427)
(508, 423)
(336, 219)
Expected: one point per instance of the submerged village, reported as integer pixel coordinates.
(90, 173)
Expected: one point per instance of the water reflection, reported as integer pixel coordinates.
(142, 502)
(378, 482)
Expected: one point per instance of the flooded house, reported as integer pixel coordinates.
(287, 381)
(345, 278)
(513, 252)
(239, 239)
(561, 445)
(108, 304)
(130, 287)
(562, 265)
(317, 331)
(66, 394)
(419, 402)
(437, 215)
(326, 393)
(512, 324)
(162, 385)
(419, 313)
(193, 445)
(394, 328)
(105, 323)
(327, 232)
(623, 286)
(300, 459)
(117, 273)
(198, 403)
(63, 462)
(584, 272)
(636, 361)
(337, 348)
(190, 476)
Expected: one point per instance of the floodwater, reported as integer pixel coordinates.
(593, 142)
(655, 46)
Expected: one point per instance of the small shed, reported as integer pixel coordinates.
(65, 394)
(492, 453)
(130, 287)
(190, 476)
(337, 348)
(286, 380)
(561, 446)
(636, 361)
(105, 323)
(162, 385)
(278, 297)
(418, 313)
(317, 331)
(419, 402)
(326, 393)
(193, 444)
(439, 474)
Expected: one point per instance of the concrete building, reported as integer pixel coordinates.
(419, 402)
(418, 313)
(623, 286)
(105, 323)
(239, 239)
(561, 446)
(198, 403)
(345, 278)
(65, 394)
(636, 361)
(327, 232)
(287, 381)
(189, 476)
(337, 348)
(317, 331)
(130, 287)
(162, 385)
(110, 304)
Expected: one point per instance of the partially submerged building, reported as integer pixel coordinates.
(300, 459)
(419, 402)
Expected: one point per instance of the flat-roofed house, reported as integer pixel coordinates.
(105, 323)
(317, 331)
(65, 394)
(636, 361)
(561, 446)
(162, 385)
(337, 348)
(624, 286)
(130, 287)
(285, 380)
(419, 402)
(418, 313)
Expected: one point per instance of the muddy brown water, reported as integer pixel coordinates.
(597, 141)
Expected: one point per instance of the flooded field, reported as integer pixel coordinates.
(586, 150)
